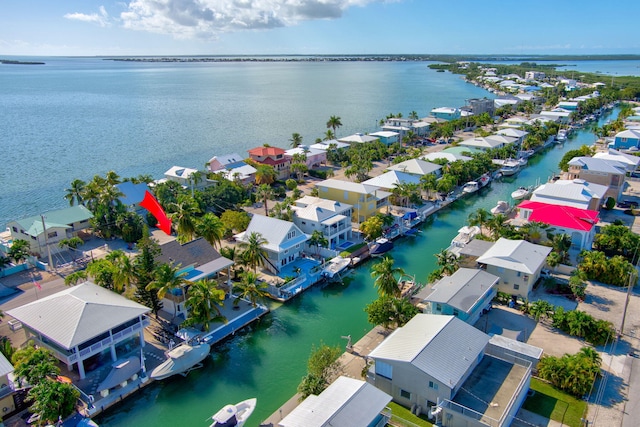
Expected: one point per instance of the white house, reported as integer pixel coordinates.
(284, 240)
(358, 138)
(315, 157)
(180, 175)
(233, 167)
(448, 156)
(387, 137)
(577, 193)
(632, 162)
(390, 180)
(331, 218)
(518, 134)
(417, 167)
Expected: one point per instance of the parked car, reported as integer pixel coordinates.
(627, 204)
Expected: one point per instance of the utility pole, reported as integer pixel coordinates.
(46, 242)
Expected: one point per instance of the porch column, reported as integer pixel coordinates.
(114, 356)
(81, 369)
(141, 333)
(229, 279)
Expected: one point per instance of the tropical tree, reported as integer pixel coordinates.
(131, 225)
(322, 367)
(75, 193)
(34, 365)
(265, 174)
(253, 250)
(75, 277)
(429, 183)
(561, 243)
(53, 400)
(71, 243)
(166, 280)
(334, 123)
(183, 217)
(19, 250)
(480, 217)
(237, 221)
(265, 192)
(144, 266)
(204, 300)
(447, 261)
(329, 135)
(385, 277)
(413, 115)
(124, 274)
(299, 165)
(250, 289)
(535, 232)
(390, 312)
(296, 140)
(372, 228)
(540, 308)
(496, 225)
(318, 240)
(211, 228)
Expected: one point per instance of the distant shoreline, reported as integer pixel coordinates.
(12, 62)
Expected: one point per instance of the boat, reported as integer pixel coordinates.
(380, 247)
(407, 286)
(470, 187)
(234, 415)
(484, 180)
(181, 360)
(510, 167)
(520, 193)
(465, 235)
(335, 266)
(561, 136)
(500, 208)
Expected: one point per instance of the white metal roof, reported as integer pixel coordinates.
(5, 366)
(416, 167)
(516, 255)
(451, 157)
(599, 165)
(358, 137)
(274, 231)
(352, 187)
(75, 315)
(632, 162)
(577, 193)
(463, 288)
(392, 178)
(180, 172)
(443, 347)
(317, 209)
(346, 402)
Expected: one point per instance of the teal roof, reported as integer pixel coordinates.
(61, 218)
(461, 150)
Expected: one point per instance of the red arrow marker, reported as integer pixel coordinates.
(151, 204)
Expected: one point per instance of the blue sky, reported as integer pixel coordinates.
(222, 27)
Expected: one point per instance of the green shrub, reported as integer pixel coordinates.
(610, 203)
(322, 174)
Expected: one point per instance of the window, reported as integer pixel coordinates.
(15, 229)
(405, 394)
(433, 385)
(52, 234)
(438, 307)
(455, 312)
(346, 195)
(291, 234)
(519, 274)
(304, 223)
(324, 189)
(516, 287)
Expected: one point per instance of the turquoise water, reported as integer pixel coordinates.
(612, 68)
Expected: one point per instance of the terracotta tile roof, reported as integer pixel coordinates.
(266, 151)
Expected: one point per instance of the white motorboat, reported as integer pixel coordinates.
(561, 136)
(465, 235)
(470, 187)
(380, 247)
(181, 360)
(508, 167)
(335, 266)
(500, 208)
(234, 415)
(520, 193)
(484, 180)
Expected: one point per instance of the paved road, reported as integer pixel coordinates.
(631, 414)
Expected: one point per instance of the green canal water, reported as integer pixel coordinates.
(267, 360)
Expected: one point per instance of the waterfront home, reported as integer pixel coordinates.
(367, 200)
(389, 137)
(44, 232)
(346, 402)
(441, 365)
(331, 218)
(506, 99)
(448, 156)
(534, 75)
(627, 139)
(197, 260)
(392, 179)
(417, 167)
(284, 240)
(315, 157)
(217, 163)
(600, 171)
(518, 134)
(405, 125)
(358, 138)
(514, 122)
(446, 113)
(577, 193)
(579, 224)
(181, 175)
(83, 321)
(274, 157)
(466, 294)
(233, 167)
(558, 115)
(7, 387)
(487, 142)
(568, 105)
(632, 162)
(329, 145)
(518, 263)
(482, 105)
(132, 194)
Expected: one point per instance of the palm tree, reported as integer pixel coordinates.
(385, 274)
(75, 192)
(561, 244)
(124, 274)
(318, 240)
(265, 174)
(211, 228)
(448, 261)
(203, 302)
(71, 243)
(334, 123)
(480, 218)
(264, 192)
(254, 252)
(250, 289)
(496, 225)
(19, 250)
(413, 115)
(166, 279)
(112, 178)
(183, 217)
(329, 135)
(296, 140)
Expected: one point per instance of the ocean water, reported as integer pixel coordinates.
(77, 117)
(611, 68)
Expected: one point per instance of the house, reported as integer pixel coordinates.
(232, 167)
(577, 193)
(346, 402)
(392, 179)
(405, 125)
(315, 157)
(441, 365)
(197, 260)
(519, 135)
(534, 75)
(518, 263)
(367, 200)
(284, 240)
(417, 167)
(482, 105)
(627, 139)
(600, 171)
(331, 218)
(579, 224)
(568, 105)
(83, 321)
(466, 294)
(274, 157)
(632, 162)
(59, 224)
(358, 138)
(486, 142)
(7, 387)
(560, 115)
(448, 156)
(217, 163)
(181, 175)
(387, 137)
(329, 145)
(446, 113)
(132, 194)
(515, 121)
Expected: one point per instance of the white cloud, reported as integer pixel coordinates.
(208, 18)
(101, 18)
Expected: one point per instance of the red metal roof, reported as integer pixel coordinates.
(266, 151)
(561, 216)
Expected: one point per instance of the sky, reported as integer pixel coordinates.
(308, 27)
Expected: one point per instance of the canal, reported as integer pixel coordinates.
(268, 360)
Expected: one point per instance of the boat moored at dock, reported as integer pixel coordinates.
(380, 247)
(234, 415)
(181, 360)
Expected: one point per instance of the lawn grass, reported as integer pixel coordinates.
(400, 413)
(351, 249)
(555, 404)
